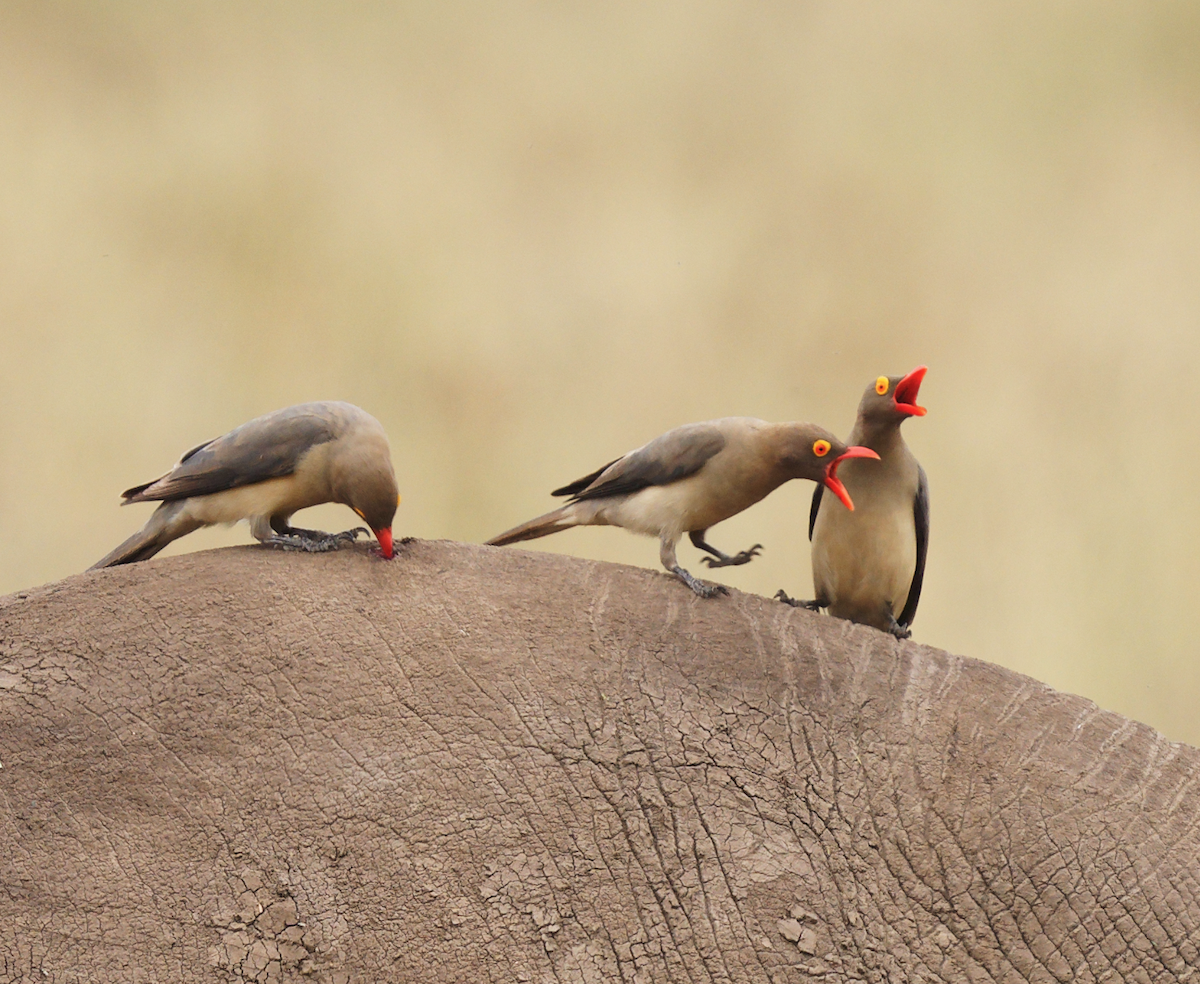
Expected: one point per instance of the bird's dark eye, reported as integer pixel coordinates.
(881, 385)
(821, 448)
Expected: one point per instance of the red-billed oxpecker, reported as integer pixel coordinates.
(691, 478)
(869, 567)
(267, 469)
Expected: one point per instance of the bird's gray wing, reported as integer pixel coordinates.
(921, 516)
(266, 447)
(675, 455)
(816, 508)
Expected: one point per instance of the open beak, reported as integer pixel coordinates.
(834, 484)
(906, 392)
(384, 536)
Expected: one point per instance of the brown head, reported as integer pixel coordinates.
(812, 452)
(362, 477)
(891, 400)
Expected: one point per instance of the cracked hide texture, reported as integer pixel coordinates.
(474, 764)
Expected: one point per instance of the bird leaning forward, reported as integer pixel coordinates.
(268, 469)
(691, 478)
(869, 568)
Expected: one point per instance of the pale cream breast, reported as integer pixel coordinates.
(260, 499)
(859, 566)
(668, 509)
(865, 559)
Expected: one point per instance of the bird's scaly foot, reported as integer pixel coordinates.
(813, 606)
(306, 534)
(703, 589)
(896, 629)
(725, 560)
(314, 541)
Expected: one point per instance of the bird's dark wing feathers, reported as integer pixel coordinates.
(582, 483)
(921, 516)
(675, 455)
(267, 447)
(135, 494)
(816, 508)
(198, 447)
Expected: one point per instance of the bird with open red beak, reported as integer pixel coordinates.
(868, 566)
(693, 477)
(266, 470)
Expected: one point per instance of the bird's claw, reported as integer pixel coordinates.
(812, 606)
(736, 560)
(314, 541)
(702, 588)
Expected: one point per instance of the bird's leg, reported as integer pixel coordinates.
(894, 627)
(666, 553)
(279, 534)
(813, 606)
(299, 531)
(283, 528)
(702, 588)
(723, 559)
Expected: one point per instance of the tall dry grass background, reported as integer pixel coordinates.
(531, 236)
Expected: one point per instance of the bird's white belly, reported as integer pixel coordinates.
(863, 563)
(269, 498)
(652, 511)
(671, 510)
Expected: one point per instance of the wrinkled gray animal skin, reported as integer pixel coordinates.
(473, 764)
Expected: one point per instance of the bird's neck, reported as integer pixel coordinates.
(881, 436)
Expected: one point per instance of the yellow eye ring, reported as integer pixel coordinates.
(821, 448)
(881, 385)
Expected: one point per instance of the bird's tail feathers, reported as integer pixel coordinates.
(169, 522)
(551, 522)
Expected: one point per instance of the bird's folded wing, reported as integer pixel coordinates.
(816, 508)
(675, 455)
(267, 447)
(921, 517)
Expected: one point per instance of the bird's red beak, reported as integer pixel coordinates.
(834, 484)
(384, 536)
(906, 391)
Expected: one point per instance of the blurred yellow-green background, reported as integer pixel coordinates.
(529, 236)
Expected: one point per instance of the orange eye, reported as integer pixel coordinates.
(881, 385)
(820, 448)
